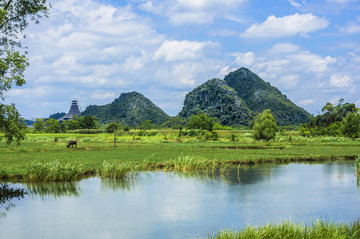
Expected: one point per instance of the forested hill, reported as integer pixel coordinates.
(130, 108)
(259, 95)
(216, 99)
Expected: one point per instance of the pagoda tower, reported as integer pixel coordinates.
(74, 110)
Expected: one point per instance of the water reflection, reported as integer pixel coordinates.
(111, 184)
(54, 189)
(7, 194)
(249, 174)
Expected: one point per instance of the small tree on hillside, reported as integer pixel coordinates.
(351, 125)
(201, 121)
(110, 128)
(265, 126)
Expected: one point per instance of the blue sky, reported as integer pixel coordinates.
(94, 50)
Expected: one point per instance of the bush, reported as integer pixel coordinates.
(201, 121)
(265, 126)
(351, 125)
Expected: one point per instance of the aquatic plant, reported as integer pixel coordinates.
(119, 170)
(52, 171)
(318, 230)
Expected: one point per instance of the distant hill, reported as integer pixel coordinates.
(259, 95)
(57, 115)
(218, 100)
(130, 108)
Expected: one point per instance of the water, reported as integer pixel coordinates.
(161, 205)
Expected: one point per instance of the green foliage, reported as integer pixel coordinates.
(39, 125)
(318, 230)
(265, 126)
(201, 121)
(130, 108)
(351, 125)
(259, 95)
(57, 115)
(216, 99)
(146, 125)
(110, 128)
(332, 121)
(11, 124)
(52, 171)
(175, 122)
(88, 122)
(14, 18)
(52, 126)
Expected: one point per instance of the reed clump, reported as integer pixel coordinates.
(318, 230)
(186, 163)
(119, 170)
(53, 171)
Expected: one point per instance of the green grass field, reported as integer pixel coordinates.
(160, 146)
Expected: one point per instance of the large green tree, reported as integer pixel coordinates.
(201, 121)
(15, 16)
(265, 126)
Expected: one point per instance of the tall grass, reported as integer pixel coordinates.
(318, 230)
(119, 170)
(52, 171)
(183, 163)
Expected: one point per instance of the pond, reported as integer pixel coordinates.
(168, 205)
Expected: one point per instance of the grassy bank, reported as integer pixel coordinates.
(163, 149)
(318, 230)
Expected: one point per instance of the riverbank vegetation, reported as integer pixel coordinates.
(318, 230)
(165, 150)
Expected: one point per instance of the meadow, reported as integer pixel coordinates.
(159, 149)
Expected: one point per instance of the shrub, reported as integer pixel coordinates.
(351, 125)
(265, 126)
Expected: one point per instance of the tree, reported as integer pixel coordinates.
(14, 18)
(201, 121)
(112, 127)
(73, 123)
(88, 122)
(52, 126)
(39, 125)
(351, 125)
(146, 125)
(265, 126)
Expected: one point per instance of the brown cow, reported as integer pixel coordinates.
(72, 143)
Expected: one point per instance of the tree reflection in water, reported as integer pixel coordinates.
(54, 189)
(8, 193)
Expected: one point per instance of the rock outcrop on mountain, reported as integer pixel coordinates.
(216, 99)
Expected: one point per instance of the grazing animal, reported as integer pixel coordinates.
(72, 143)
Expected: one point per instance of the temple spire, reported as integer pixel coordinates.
(74, 110)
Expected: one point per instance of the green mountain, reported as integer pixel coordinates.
(130, 108)
(259, 95)
(216, 99)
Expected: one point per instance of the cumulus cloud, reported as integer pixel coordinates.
(95, 51)
(182, 12)
(181, 50)
(292, 25)
(340, 81)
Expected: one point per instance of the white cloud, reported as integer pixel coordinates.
(306, 102)
(340, 81)
(351, 27)
(181, 50)
(294, 4)
(181, 12)
(292, 25)
(102, 96)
